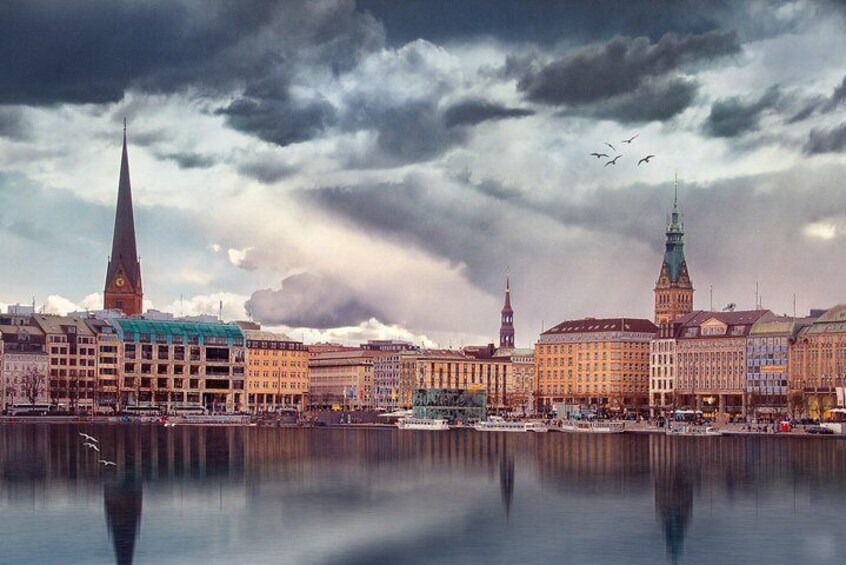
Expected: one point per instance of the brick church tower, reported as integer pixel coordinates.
(123, 289)
(673, 291)
(506, 328)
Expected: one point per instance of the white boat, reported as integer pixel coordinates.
(434, 425)
(536, 427)
(498, 424)
(693, 431)
(592, 427)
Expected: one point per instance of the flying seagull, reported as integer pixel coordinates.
(645, 159)
(613, 161)
(599, 155)
(629, 140)
(106, 463)
(611, 146)
(89, 438)
(93, 446)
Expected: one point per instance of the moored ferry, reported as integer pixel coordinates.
(435, 425)
(498, 424)
(592, 427)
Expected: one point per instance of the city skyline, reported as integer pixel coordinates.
(387, 169)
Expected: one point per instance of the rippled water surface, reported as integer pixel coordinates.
(250, 495)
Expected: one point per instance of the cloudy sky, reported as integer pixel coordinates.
(349, 170)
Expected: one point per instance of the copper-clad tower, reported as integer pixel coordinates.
(674, 289)
(123, 289)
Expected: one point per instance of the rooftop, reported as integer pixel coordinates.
(596, 325)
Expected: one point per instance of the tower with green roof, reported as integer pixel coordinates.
(673, 290)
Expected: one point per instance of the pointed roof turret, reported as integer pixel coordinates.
(674, 250)
(506, 328)
(124, 250)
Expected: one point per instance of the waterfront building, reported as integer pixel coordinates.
(123, 289)
(474, 368)
(663, 366)
(277, 371)
(711, 357)
(72, 350)
(388, 345)
(23, 364)
(386, 380)
(109, 364)
(767, 362)
(168, 365)
(343, 378)
(817, 365)
(520, 380)
(673, 289)
(595, 362)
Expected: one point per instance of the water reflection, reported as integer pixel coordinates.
(122, 501)
(347, 496)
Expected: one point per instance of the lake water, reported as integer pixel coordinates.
(260, 495)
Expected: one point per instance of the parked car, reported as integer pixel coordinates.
(816, 429)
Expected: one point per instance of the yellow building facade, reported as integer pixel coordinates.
(277, 372)
(594, 362)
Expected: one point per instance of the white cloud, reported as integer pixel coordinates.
(239, 258)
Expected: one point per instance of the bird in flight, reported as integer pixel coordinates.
(106, 463)
(629, 140)
(93, 446)
(645, 159)
(611, 146)
(613, 161)
(599, 155)
(88, 437)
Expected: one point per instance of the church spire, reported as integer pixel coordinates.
(506, 328)
(673, 291)
(123, 289)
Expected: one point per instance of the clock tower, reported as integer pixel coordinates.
(123, 289)
(674, 289)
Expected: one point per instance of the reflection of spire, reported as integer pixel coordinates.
(673, 497)
(506, 482)
(122, 497)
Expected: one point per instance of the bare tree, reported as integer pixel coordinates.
(32, 384)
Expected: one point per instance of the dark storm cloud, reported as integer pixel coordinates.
(279, 120)
(311, 301)
(543, 21)
(188, 160)
(476, 111)
(94, 52)
(732, 117)
(826, 140)
(654, 99)
(620, 65)
(821, 104)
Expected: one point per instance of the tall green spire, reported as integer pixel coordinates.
(674, 251)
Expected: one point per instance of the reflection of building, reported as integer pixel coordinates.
(767, 354)
(674, 475)
(673, 290)
(595, 362)
(506, 481)
(711, 356)
(168, 364)
(123, 290)
(122, 497)
(277, 371)
(817, 365)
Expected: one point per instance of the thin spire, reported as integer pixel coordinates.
(676, 191)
